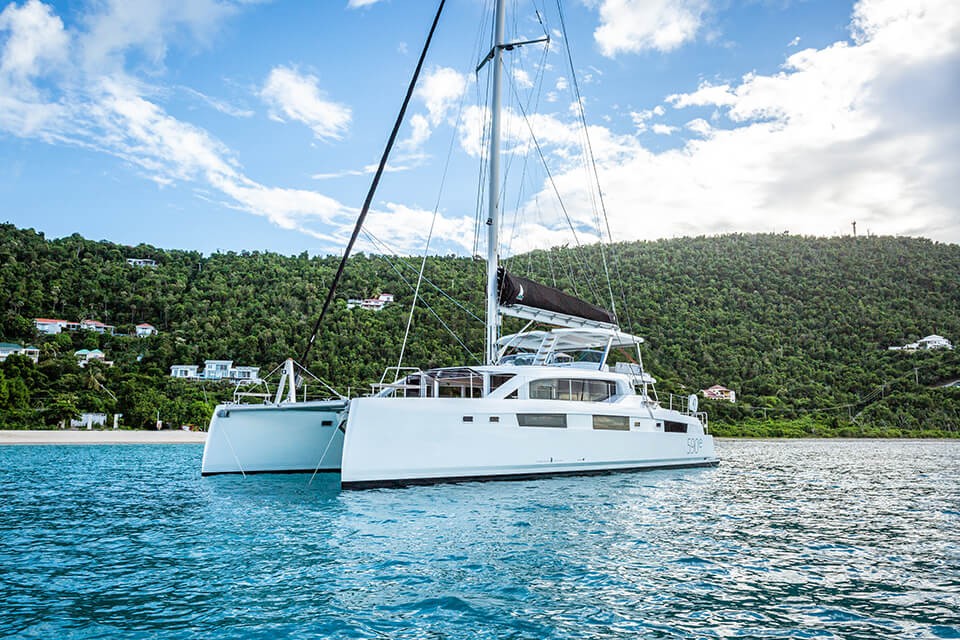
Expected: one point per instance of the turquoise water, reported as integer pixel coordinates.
(792, 539)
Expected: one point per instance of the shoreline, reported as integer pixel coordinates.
(107, 436)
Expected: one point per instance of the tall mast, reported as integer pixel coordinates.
(493, 219)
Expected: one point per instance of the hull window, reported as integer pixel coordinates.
(611, 423)
(555, 420)
(674, 427)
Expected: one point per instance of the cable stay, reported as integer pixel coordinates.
(373, 186)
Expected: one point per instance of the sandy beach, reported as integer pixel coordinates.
(82, 436)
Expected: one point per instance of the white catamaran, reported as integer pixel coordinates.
(547, 402)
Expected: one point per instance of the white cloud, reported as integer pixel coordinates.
(36, 37)
(631, 26)
(663, 129)
(440, 90)
(357, 4)
(99, 107)
(866, 131)
(794, 42)
(700, 127)
(219, 105)
(522, 79)
(706, 94)
(116, 27)
(298, 97)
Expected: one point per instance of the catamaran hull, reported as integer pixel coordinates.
(395, 442)
(287, 438)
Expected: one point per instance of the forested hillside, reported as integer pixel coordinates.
(798, 327)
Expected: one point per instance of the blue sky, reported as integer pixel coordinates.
(218, 125)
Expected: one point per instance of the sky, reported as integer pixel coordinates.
(232, 125)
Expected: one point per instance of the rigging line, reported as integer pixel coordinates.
(593, 162)
(481, 37)
(484, 164)
(429, 308)
(580, 256)
(387, 249)
(373, 187)
(426, 249)
(535, 99)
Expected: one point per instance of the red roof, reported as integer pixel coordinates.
(146, 324)
(48, 320)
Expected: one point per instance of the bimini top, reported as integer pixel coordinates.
(569, 339)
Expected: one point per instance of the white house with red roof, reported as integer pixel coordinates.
(145, 329)
(96, 325)
(717, 392)
(51, 326)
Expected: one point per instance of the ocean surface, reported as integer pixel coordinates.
(785, 539)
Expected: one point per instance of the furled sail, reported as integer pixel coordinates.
(515, 290)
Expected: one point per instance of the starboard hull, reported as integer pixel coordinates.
(287, 438)
(395, 442)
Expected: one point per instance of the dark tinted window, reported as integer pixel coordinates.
(612, 423)
(557, 420)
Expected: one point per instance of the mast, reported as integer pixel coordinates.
(493, 218)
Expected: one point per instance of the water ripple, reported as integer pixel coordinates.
(795, 539)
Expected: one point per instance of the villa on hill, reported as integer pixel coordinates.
(145, 330)
(8, 349)
(216, 370)
(52, 326)
(88, 355)
(717, 392)
(371, 304)
(930, 342)
(141, 262)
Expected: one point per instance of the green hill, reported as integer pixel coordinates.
(798, 327)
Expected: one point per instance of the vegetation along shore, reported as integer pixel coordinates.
(799, 327)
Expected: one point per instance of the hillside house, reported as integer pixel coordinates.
(141, 262)
(52, 326)
(87, 355)
(216, 370)
(8, 349)
(930, 342)
(187, 371)
(145, 330)
(96, 325)
(371, 304)
(717, 392)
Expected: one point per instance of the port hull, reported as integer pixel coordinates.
(287, 438)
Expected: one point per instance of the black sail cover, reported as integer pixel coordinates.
(516, 290)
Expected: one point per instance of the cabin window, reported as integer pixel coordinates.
(612, 423)
(674, 427)
(555, 420)
(498, 380)
(457, 383)
(513, 395)
(572, 389)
